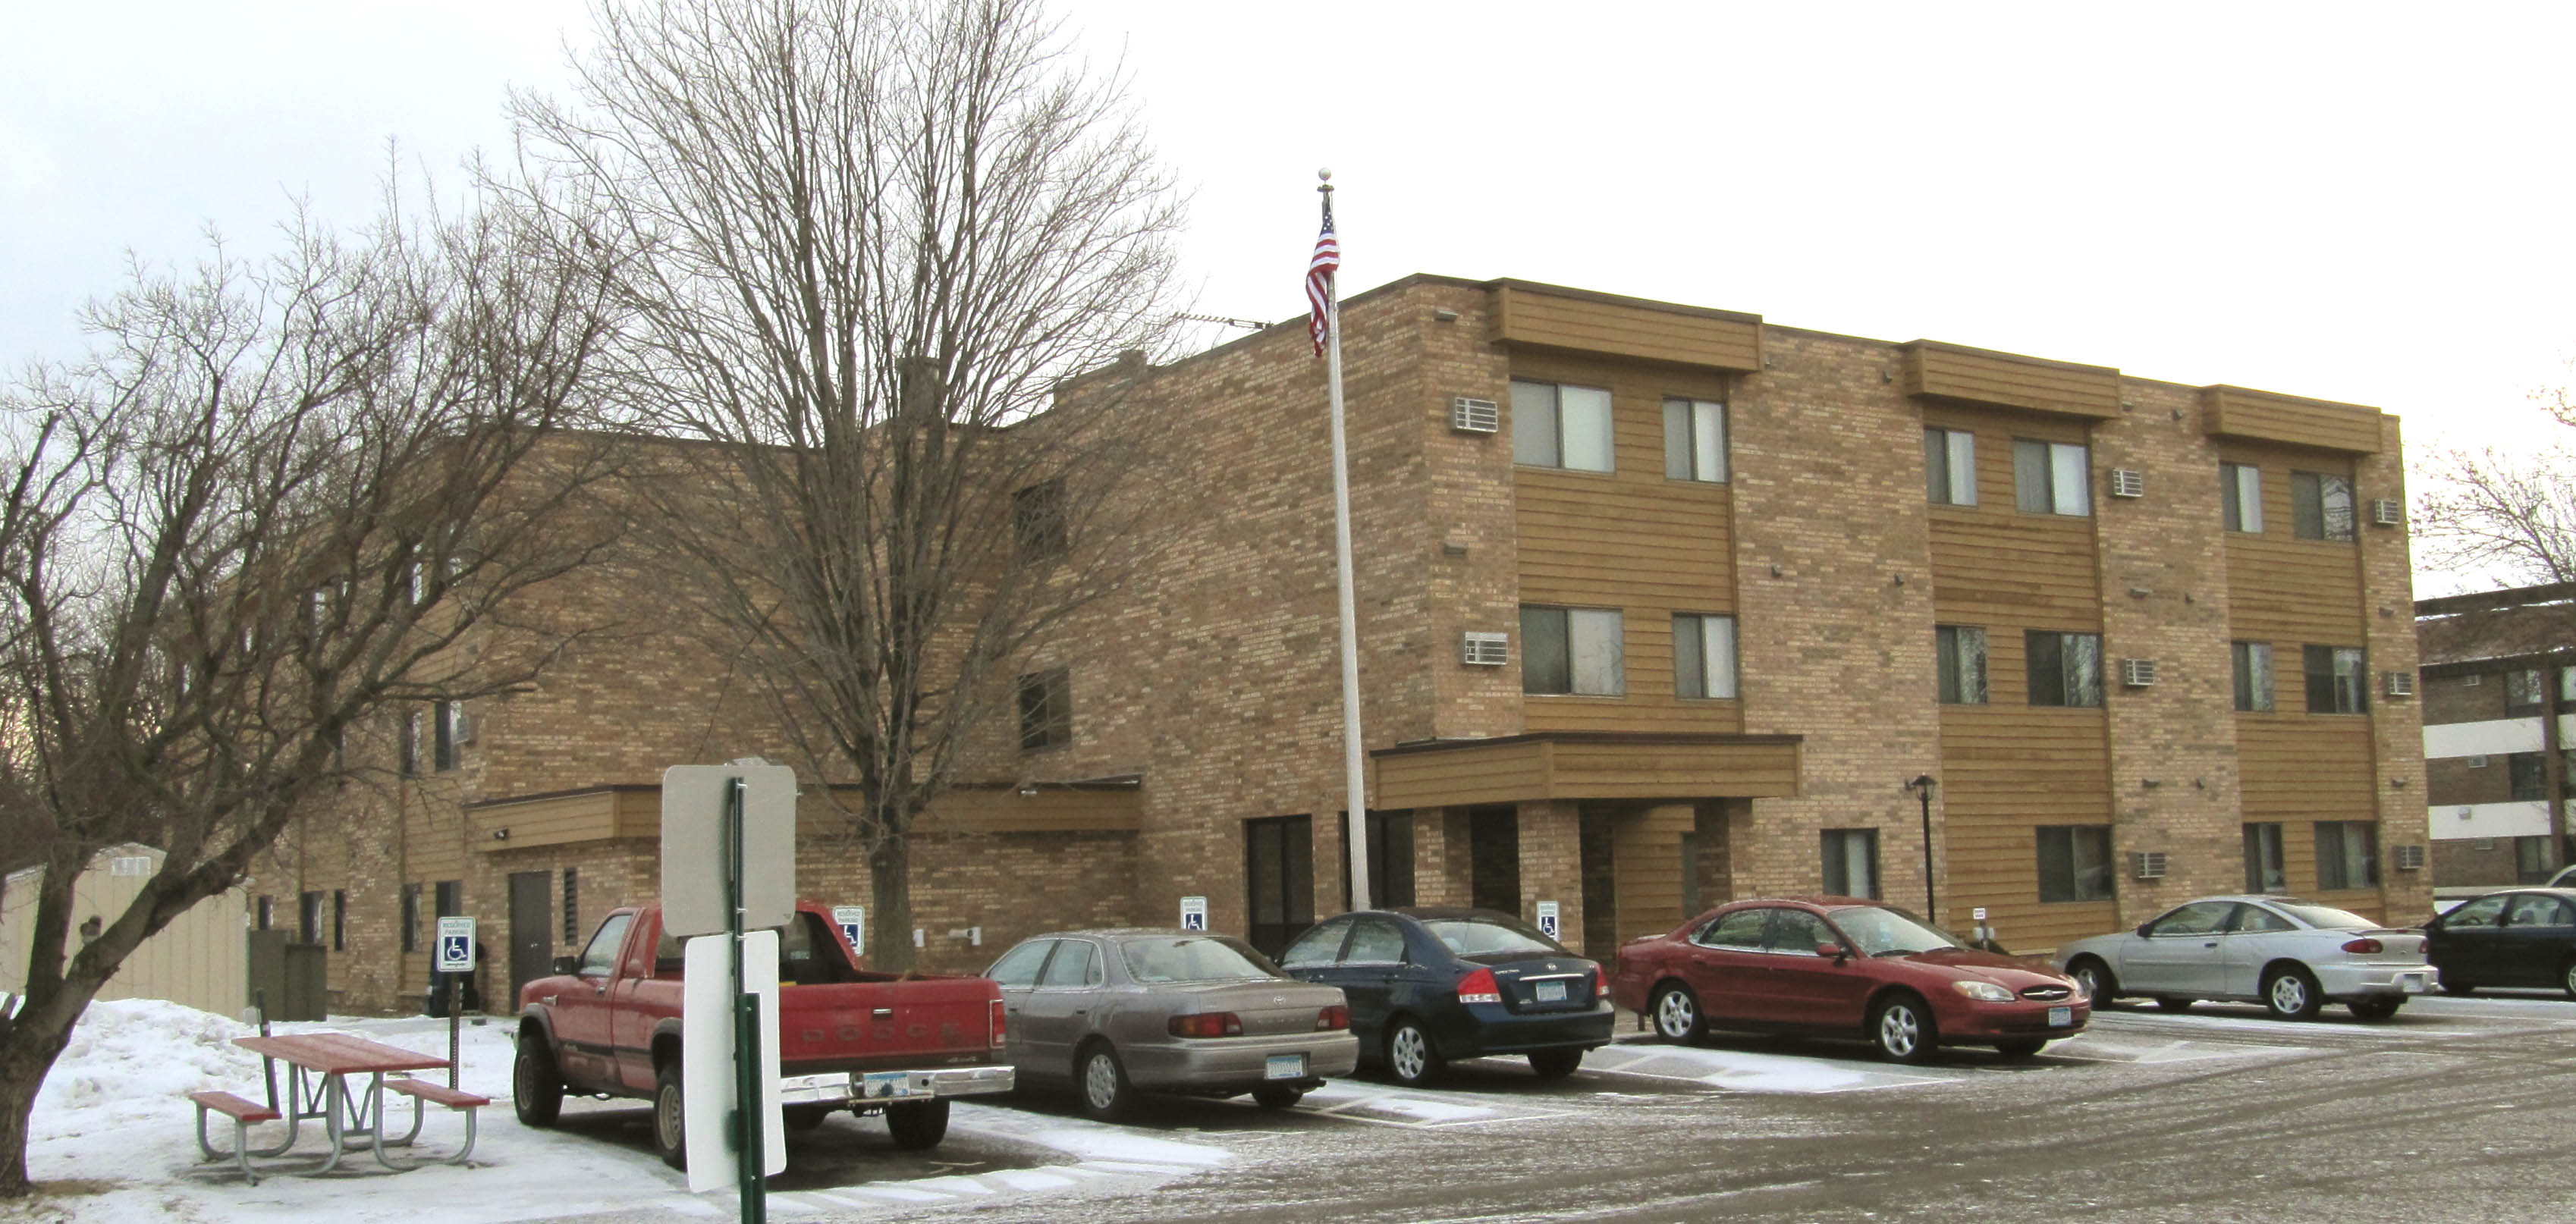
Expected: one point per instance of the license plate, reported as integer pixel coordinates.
(1551, 992)
(1285, 1066)
(2415, 983)
(875, 1085)
(2060, 1017)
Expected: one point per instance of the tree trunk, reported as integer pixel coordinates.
(27, 1052)
(890, 879)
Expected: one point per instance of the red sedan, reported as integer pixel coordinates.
(1842, 966)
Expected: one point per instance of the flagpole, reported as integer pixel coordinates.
(1355, 832)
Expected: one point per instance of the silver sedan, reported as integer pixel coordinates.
(2291, 956)
(1115, 1012)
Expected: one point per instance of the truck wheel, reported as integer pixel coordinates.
(802, 1118)
(536, 1084)
(670, 1117)
(917, 1125)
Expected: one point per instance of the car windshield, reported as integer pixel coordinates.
(1194, 958)
(2324, 917)
(1880, 931)
(1495, 936)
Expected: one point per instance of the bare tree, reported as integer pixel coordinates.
(2504, 513)
(279, 499)
(861, 244)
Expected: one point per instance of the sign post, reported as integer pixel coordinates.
(1193, 913)
(455, 960)
(741, 819)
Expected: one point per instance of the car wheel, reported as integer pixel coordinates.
(1677, 1015)
(2376, 1009)
(2291, 994)
(916, 1125)
(2452, 985)
(800, 1118)
(1555, 1064)
(1901, 1028)
(1410, 1057)
(1106, 1093)
(670, 1117)
(536, 1084)
(2567, 976)
(2023, 1048)
(2170, 1003)
(1277, 1096)
(2095, 977)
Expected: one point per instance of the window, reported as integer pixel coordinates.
(1950, 467)
(2347, 854)
(2065, 668)
(2264, 872)
(2536, 910)
(1375, 941)
(444, 716)
(411, 917)
(1390, 861)
(1317, 947)
(2075, 863)
(1075, 965)
(308, 918)
(407, 743)
(1694, 440)
(1851, 862)
(267, 913)
(600, 957)
(2485, 913)
(1019, 967)
(1037, 520)
(1736, 928)
(1561, 427)
(2529, 774)
(2240, 497)
(1572, 650)
(2253, 675)
(2531, 861)
(1046, 709)
(1796, 932)
(2052, 477)
(1703, 656)
(1961, 663)
(2522, 692)
(2321, 505)
(2338, 683)
(339, 920)
(449, 899)
(571, 907)
(1279, 880)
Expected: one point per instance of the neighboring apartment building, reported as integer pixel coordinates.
(1660, 605)
(2499, 685)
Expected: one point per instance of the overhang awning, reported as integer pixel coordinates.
(1587, 765)
(632, 810)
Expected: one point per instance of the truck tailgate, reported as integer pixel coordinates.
(865, 1026)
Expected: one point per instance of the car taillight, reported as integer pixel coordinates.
(1000, 1025)
(1332, 1019)
(1600, 985)
(1206, 1024)
(1480, 987)
(2364, 945)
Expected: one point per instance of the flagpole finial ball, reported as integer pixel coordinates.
(1326, 175)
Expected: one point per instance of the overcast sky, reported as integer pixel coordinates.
(2356, 202)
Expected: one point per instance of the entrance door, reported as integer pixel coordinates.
(1278, 880)
(532, 932)
(1494, 859)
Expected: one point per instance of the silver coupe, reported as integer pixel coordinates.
(1114, 1012)
(2291, 956)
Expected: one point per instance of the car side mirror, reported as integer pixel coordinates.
(1834, 950)
(565, 965)
(2143, 932)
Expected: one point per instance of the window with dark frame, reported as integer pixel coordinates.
(2075, 863)
(1390, 861)
(2338, 680)
(2052, 477)
(2321, 506)
(308, 917)
(443, 717)
(1851, 862)
(448, 899)
(2347, 854)
(2266, 871)
(1579, 651)
(407, 743)
(2065, 668)
(267, 913)
(1561, 426)
(1037, 520)
(571, 906)
(2240, 497)
(1279, 881)
(1960, 662)
(339, 920)
(2253, 661)
(1950, 466)
(1695, 440)
(2522, 692)
(411, 917)
(1046, 709)
(1703, 656)
(2528, 773)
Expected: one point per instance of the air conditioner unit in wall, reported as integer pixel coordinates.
(1468, 415)
(2477, 762)
(2387, 512)
(2137, 673)
(2147, 864)
(2128, 482)
(2398, 684)
(2408, 858)
(1485, 649)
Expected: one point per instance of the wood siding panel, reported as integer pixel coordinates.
(557, 821)
(200, 960)
(2306, 767)
(1994, 565)
(2237, 412)
(2280, 588)
(1646, 857)
(1679, 771)
(2006, 770)
(1981, 376)
(1501, 773)
(1626, 327)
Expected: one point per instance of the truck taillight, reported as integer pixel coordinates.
(2364, 945)
(1000, 1026)
(1332, 1019)
(1206, 1024)
(1479, 987)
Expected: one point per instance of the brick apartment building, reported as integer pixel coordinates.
(2499, 698)
(1659, 605)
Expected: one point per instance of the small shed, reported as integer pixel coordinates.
(201, 959)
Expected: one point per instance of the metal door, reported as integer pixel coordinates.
(532, 935)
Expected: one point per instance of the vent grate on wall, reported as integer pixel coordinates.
(2137, 673)
(1485, 649)
(2128, 482)
(2386, 512)
(2399, 684)
(2147, 864)
(2409, 858)
(1468, 415)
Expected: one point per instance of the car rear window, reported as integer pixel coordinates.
(2325, 916)
(1489, 937)
(1194, 958)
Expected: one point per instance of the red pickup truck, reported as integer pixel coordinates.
(608, 1022)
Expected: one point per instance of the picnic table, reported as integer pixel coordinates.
(319, 1066)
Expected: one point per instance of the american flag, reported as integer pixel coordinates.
(1319, 279)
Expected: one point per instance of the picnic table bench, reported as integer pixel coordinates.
(318, 1069)
(243, 1111)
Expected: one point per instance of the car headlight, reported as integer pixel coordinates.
(1983, 992)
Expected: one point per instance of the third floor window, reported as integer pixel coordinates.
(2253, 675)
(2240, 497)
(2052, 477)
(2321, 503)
(1561, 426)
(1694, 440)
(1960, 663)
(1703, 656)
(1950, 467)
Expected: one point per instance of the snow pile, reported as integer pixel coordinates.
(146, 1050)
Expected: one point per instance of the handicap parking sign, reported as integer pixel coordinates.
(1549, 922)
(1194, 913)
(853, 921)
(455, 945)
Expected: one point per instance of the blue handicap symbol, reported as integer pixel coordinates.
(452, 948)
(1195, 922)
(850, 933)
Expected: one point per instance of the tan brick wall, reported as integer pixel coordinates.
(2397, 727)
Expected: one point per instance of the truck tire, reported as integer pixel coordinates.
(802, 1118)
(670, 1117)
(918, 1124)
(536, 1084)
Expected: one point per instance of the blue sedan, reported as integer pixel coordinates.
(1427, 986)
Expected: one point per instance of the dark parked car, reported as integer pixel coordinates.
(1427, 986)
(1843, 966)
(2526, 937)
